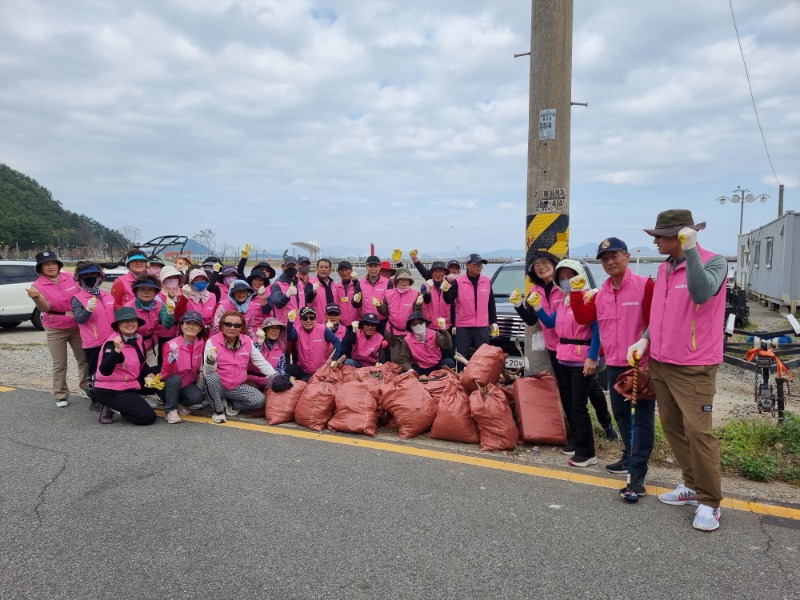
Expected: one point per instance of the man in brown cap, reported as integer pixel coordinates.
(685, 341)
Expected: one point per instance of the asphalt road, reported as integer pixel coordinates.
(204, 511)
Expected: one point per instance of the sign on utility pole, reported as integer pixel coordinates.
(547, 221)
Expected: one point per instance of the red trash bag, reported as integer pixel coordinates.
(341, 374)
(316, 405)
(490, 409)
(485, 367)
(409, 403)
(539, 413)
(281, 405)
(437, 385)
(356, 408)
(453, 420)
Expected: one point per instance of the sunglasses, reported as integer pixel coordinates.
(308, 318)
(231, 325)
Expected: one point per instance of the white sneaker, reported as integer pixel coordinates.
(218, 418)
(680, 496)
(706, 518)
(229, 410)
(62, 403)
(173, 417)
(152, 402)
(184, 410)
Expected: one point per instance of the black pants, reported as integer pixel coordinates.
(469, 339)
(445, 362)
(294, 370)
(578, 387)
(92, 359)
(128, 403)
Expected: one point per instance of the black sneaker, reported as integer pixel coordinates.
(611, 433)
(637, 485)
(619, 467)
(106, 416)
(568, 450)
(95, 406)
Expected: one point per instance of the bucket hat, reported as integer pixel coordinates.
(670, 222)
(416, 316)
(45, 257)
(126, 313)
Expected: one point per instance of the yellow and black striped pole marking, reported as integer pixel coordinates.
(548, 232)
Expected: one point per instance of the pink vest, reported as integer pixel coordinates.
(468, 313)
(207, 309)
(556, 299)
(295, 303)
(365, 349)
(151, 319)
(437, 308)
(190, 358)
(232, 364)
(400, 308)
(164, 332)
(127, 285)
(126, 374)
(567, 327)
(345, 302)
(619, 316)
(273, 357)
(249, 317)
(370, 290)
(682, 332)
(312, 350)
(98, 328)
(426, 353)
(59, 296)
(320, 303)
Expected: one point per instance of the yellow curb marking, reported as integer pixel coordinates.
(489, 463)
(6, 389)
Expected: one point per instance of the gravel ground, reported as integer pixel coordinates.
(25, 362)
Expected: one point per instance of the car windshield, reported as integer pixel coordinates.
(508, 279)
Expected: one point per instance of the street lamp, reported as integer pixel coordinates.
(741, 196)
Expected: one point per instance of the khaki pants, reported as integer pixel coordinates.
(57, 341)
(685, 395)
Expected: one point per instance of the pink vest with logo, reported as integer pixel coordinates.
(468, 313)
(619, 316)
(345, 302)
(126, 373)
(190, 358)
(400, 308)
(365, 349)
(312, 349)
(295, 303)
(206, 309)
(373, 290)
(232, 364)
(151, 319)
(437, 308)
(320, 303)
(567, 327)
(682, 332)
(98, 328)
(556, 299)
(426, 353)
(226, 305)
(59, 296)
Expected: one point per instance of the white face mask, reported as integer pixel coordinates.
(418, 330)
(564, 285)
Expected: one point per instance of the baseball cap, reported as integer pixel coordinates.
(610, 245)
(475, 259)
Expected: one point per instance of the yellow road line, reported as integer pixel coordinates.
(489, 463)
(6, 389)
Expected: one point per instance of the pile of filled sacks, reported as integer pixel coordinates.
(472, 407)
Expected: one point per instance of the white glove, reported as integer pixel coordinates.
(441, 323)
(174, 351)
(515, 298)
(211, 355)
(446, 285)
(494, 330)
(418, 301)
(450, 277)
(357, 297)
(688, 238)
(262, 291)
(589, 294)
(91, 304)
(577, 283)
(376, 302)
(292, 291)
(354, 326)
(636, 352)
(315, 287)
(329, 325)
(260, 336)
(429, 283)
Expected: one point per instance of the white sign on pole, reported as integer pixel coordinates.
(547, 124)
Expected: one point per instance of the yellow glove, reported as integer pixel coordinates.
(494, 330)
(441, 323)
(216, 267)
(292, 315)
(154, 381)
(414, 254)
(535, 301)
(357, 297)
(589, 294)
(577, 283)
(397, 254)
(445, 285)
(246, 251)
(418, 301)
(91, 304)
(515, 297)
(170, 304)
(376, 302)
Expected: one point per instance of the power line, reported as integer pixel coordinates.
(752, 97)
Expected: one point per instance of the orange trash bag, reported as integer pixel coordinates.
(356, 408)
(316, 405)
(539, 413)
(485, 367)
(453, 420)
(409, 403)
(281, 405)
(490, 409)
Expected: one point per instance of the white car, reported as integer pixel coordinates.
(15, 305)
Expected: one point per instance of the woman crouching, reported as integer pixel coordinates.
(181, 367)
(120, 375)
(227, 356)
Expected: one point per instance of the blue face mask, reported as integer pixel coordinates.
(200, 285)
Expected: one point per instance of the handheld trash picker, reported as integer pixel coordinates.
(626, 493)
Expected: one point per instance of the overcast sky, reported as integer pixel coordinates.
(402, 123)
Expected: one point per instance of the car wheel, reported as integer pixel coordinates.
(10, 325)
(36, 319)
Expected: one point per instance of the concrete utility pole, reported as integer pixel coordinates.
(547, 221)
